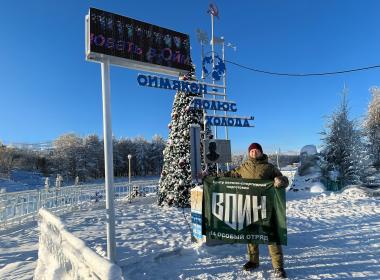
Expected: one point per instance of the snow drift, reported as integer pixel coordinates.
(61, 255)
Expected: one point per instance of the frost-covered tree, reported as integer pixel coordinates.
(69, 156)
(122, 148)
(141, 155)
(93, 157)
(343, 150)
(175, 181)
(155, 159)
(372, 127)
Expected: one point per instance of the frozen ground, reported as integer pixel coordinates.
(331, 236)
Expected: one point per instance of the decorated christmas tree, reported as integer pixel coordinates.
(176, 181)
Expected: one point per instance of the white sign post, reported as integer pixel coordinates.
(108, 161)
(107, 46)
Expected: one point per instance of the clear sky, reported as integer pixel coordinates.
(47, 87)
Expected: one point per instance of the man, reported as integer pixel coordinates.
(257, 167)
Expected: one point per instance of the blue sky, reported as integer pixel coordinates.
(47, 87)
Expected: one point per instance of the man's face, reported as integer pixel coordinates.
(255, 153)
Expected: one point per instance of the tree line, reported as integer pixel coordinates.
(72, 156)
(350, 148)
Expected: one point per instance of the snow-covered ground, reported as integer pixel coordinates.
(331, 236)
(21, 180)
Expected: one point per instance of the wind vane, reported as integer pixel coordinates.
(213, 9)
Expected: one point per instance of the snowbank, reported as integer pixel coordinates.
(61, 255)
(357, 191)
(317, 187)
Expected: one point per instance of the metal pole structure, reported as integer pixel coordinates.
(202, 38)
(204, 112)
(225, 98)
(213, 62)
(108, 160)
(213, 80)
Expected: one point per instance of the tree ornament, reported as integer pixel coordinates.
(182, 162)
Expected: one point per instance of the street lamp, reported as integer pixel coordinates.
(129, 168)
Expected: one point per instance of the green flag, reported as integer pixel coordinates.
(244, 211)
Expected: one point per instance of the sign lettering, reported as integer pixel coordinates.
(213, 104)
(238, 210)
(166, 83)
(228, 121)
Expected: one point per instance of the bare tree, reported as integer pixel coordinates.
(7, 160)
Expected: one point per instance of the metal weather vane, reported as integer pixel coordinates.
(213, 10)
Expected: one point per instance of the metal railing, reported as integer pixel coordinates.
(17, 207)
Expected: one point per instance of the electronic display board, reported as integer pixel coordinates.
(135, 44)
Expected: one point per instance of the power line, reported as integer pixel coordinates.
(305, 74)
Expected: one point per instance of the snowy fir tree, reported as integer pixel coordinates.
(175, 181)
(343, 150)
(372, 127)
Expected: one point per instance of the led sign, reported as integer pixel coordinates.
(136, 44)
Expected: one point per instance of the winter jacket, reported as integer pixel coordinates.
(258, 169)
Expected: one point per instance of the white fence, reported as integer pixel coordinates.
(17, 207)
(61, 255)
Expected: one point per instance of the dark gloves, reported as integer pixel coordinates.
(281, 182)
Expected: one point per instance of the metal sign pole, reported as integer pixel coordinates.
(108, 160)
(213, 80)
(202, 38)
(204, 114)
(225, 98)
(213, 61)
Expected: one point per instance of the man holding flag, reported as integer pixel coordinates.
(258, 167)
